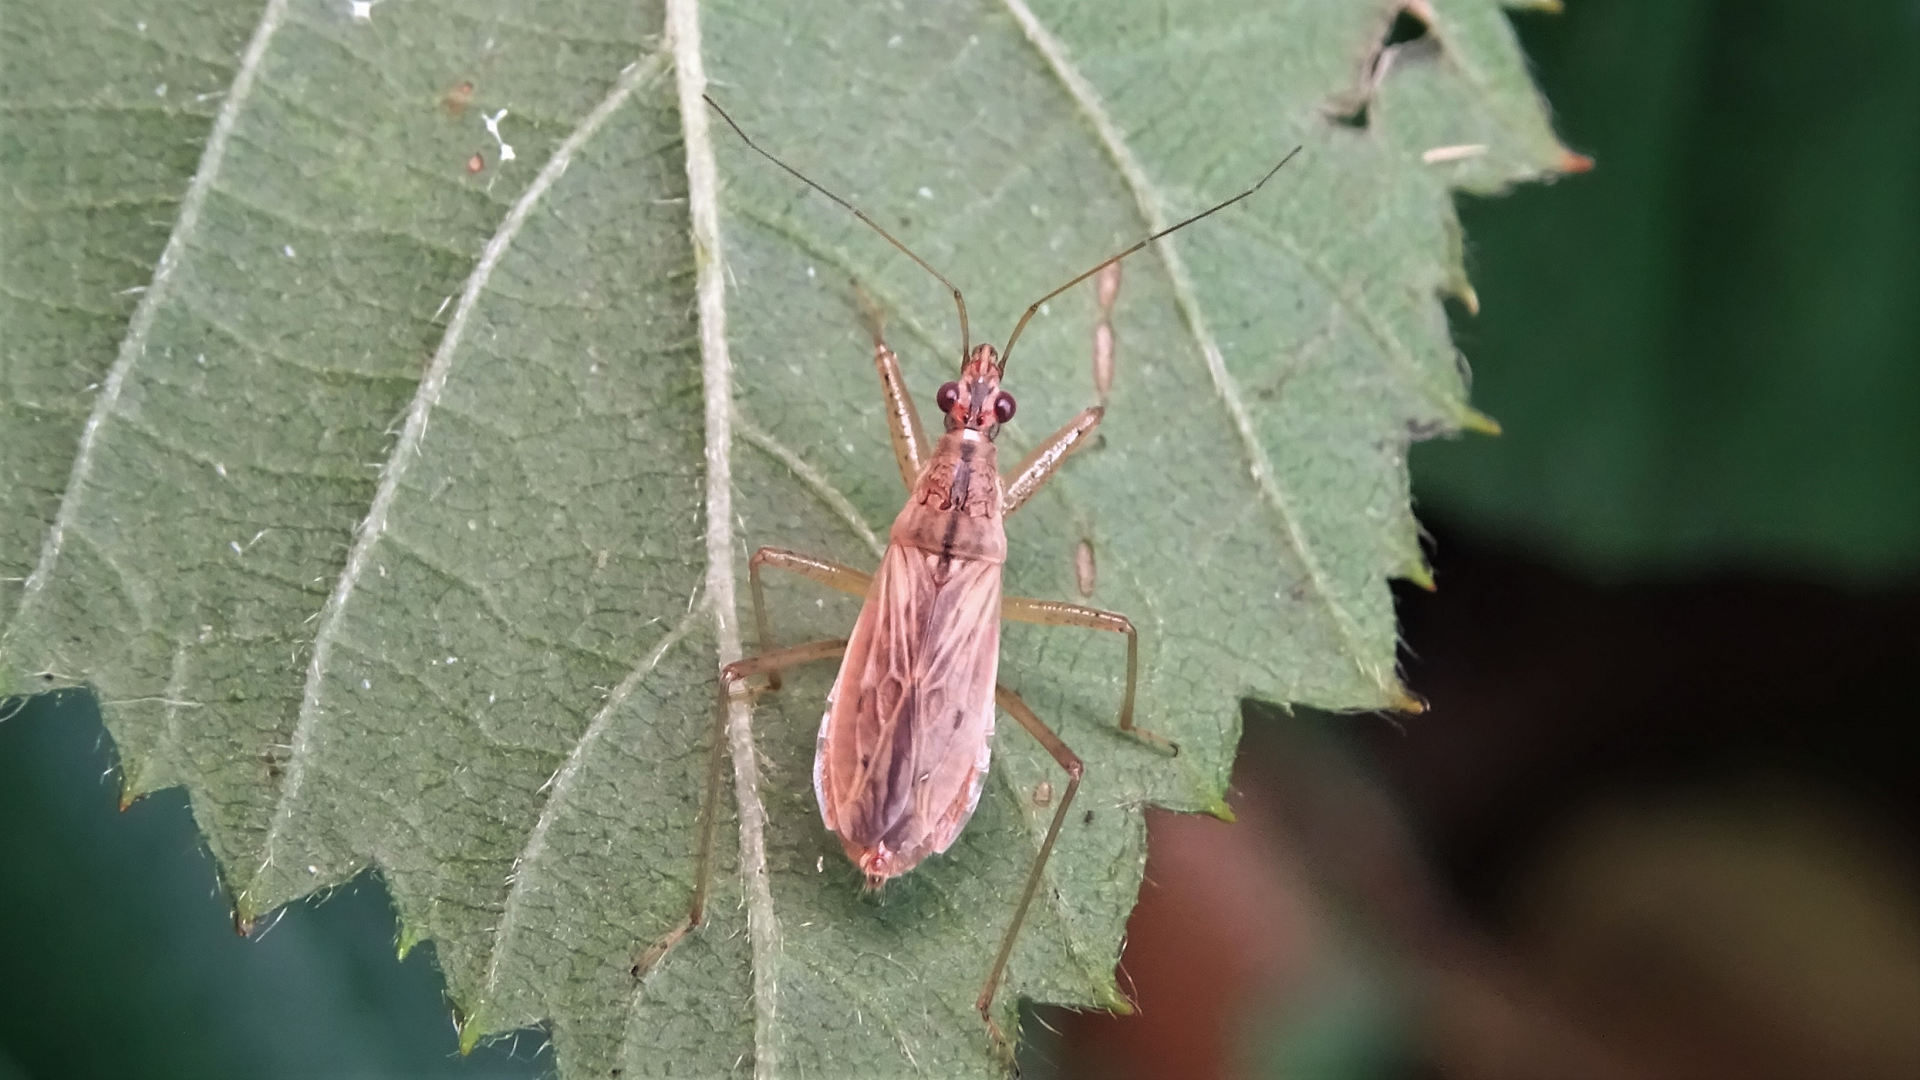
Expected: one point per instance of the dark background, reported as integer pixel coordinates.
(1661, 820)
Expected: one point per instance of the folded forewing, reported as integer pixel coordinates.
(904, 743)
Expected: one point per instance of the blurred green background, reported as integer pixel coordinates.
(1660, 821)
(1706, 353)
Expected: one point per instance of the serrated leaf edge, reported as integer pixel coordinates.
(1147, 199)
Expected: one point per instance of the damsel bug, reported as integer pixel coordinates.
(908, 729)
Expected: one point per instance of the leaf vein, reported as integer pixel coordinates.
(1146, 197)
(815, 481)
(1391, 348)
(407, 447)
(140, 326)
(525, 864)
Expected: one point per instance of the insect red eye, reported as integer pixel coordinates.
(947, 397)
(1003, 407)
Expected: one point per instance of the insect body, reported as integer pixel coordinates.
(907, 734)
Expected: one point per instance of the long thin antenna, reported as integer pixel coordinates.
(958, 300)
(1022, 324)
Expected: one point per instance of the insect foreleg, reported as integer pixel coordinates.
(1056, 613)
(910, 450)
(1039, 465)
(825, 571)
(1069, 761)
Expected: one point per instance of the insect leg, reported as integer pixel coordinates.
(903, 420)
(825, 571)
(733, 673)
(910, 449)
(1018, 709)
(1039, 465)
(1056, 613)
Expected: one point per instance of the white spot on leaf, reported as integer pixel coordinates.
(493, 129)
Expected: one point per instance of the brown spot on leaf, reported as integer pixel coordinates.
(458, 99)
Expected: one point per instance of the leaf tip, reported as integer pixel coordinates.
(130, 790)
(1404, 701)
(1216, 806)
(1477, 421)
(1468, 298)
(1419, 574)
(407, 940)
(1572, 164)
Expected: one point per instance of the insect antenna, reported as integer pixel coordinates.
(959, 301)
(1104, 263)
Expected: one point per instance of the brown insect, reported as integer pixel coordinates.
(908, 729)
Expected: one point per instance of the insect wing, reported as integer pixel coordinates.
(905, 741)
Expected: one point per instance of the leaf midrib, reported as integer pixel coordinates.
(703, 210)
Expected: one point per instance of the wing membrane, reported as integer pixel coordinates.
(905, 741)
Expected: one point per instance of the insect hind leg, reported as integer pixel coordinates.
(1070, 762)
(1057, 613)
(766, 663)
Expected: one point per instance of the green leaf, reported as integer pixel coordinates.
(406, 523)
